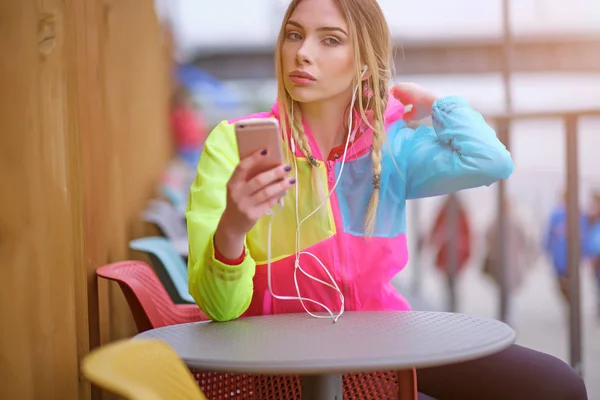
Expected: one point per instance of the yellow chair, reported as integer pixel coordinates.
(141, 369)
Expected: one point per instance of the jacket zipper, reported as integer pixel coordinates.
(339, 230)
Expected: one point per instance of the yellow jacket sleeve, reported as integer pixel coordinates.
(223, 292)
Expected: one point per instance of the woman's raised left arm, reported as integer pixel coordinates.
(461, 151)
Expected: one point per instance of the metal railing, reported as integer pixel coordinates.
(570, 119)
(571, 124)
(503, 123)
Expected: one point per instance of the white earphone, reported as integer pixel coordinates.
(333, 285)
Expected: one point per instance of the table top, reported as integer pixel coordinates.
(359, 342)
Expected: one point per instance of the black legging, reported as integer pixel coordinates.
(517, 373)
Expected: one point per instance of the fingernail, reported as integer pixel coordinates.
(292, 181)
(264, 152)
(287, 168)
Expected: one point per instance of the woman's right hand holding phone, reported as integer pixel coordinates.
(248, 199)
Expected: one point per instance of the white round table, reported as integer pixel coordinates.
(320, 351)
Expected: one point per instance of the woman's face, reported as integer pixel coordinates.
(317, 54)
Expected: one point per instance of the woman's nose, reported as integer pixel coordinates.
(303, 55)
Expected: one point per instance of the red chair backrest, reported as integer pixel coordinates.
(148, 300)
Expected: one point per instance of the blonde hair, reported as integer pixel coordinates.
(370, 35)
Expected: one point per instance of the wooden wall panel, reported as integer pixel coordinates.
(38, 249)
(83, 140)
(137, 91)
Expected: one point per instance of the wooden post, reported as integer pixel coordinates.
(573, 241)
(84, 139)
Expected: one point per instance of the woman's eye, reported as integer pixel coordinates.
(294, 36)
(331, 41)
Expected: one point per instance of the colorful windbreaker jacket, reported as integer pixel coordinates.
(459, 151)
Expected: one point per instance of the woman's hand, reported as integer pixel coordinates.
(421, 100)
(248, 199)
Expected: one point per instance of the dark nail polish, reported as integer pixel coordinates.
(292, 181)
(287, 168)
(264, 152)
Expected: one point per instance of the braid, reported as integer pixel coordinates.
(300, 137)
(302, 141)
(378, 140)
(379, 137)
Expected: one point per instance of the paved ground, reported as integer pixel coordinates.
(539, 316)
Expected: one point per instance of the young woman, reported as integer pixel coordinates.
(352, 162)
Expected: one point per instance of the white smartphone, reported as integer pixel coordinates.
(260, 134)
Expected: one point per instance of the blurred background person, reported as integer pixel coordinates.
(188, 126)
(521, 253)
(451, 228)
(555, 245)
(593, 243)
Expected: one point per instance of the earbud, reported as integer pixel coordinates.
(364, 69)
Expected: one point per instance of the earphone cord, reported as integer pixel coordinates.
(298, 253)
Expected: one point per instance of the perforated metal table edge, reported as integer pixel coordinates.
(378, 328)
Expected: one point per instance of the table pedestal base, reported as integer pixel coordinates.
(322, 387)
(407, 385)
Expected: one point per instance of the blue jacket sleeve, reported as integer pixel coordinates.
(461, 151)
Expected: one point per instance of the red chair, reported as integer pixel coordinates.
(152, 307)
(147, 298)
